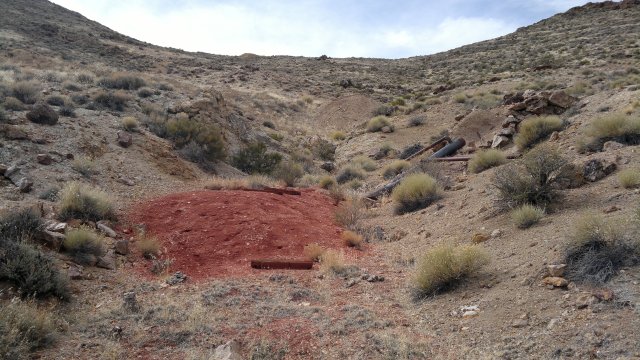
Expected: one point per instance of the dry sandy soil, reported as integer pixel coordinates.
(367, 310)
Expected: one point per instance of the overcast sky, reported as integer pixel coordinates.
(337, 28)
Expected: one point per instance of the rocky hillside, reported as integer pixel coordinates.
(522, 243)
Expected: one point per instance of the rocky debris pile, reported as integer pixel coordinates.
(14, 174)
(531, 102)
(554, 276)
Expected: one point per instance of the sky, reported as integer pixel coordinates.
(336, 28)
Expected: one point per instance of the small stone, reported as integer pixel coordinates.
(612, 146)
(611, 209)
(228, 351)
(459, 117)
(75, 273)
(469, 314)
(25, 185)
(555, 136)
(552, 323)
(499, 141)
(496, 233)
(121, 247)
(126, 181)
(129, 302)
(479, 237)
(584, 301)
(520, 323)
(386, 129)
(604, 294)
(177, 278)
(44, 159)
(3, 169)
(351, 282)
(556, 270)
(105, 229)
(108, 261)
(555, 281)
(59, 227)
(125, 139)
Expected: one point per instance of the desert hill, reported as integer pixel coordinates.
(140, 184)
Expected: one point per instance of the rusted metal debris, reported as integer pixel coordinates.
(442, 141)
(465, 158)
(267, 264)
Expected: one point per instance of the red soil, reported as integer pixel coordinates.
(217, 233)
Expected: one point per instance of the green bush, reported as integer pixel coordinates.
(122, 82)
(19, 226)
(201, 142)
(78, 201)
(326, 182)
(486, 159)
(443, 267)
(24, 328)
(55, 100)
(289, 172)
(13, 104)
(535, 129)
(27, 92)
(415, 192)
(84, 245)
(629, 178)
(598, 249)
(417, 120)
(365, 163)
(533, 180)
(526, 215)
(349, 173)
(145, 92)
(395, 168)
(324, 149)
(255, 159)
(377, 123)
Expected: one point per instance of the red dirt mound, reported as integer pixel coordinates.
(218, 233)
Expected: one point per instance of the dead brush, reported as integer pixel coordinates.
(350, 212)
(314, 251)
(352, 239)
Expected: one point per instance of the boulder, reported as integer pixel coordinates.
(612, 145)
(43, 114)
(105, 229)
(386, 129)
(75, 273)
(24, 185)
(54, 239)
(556, 270)
(499, 141)
(555, 281)
(509, 121)
(44, 159)
(108, 261)
(518, 106)
(598, 167)
(508, 131)
(124, 139)
(562, 99)
(58, 227)
(122, 247)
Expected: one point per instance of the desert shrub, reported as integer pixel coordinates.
(289, 172)
(486, 159)
(84, 166)
(415, 192)
(269, 124)
(338, 135)
(79, 201)
(377, 123)
(526, 215)
(532, 181)
(349, 173)
(332, 261)
(384, 110)
(27, 92)
(417, 120)
(149, 246)
(43, 114)
(111, 100)
(145, 92)
(326, 182)
(324, 149)
(622, 128)
(13, 104)
(80, 99)
(352, 239)
(71, 86)
(410, 150)
(85, 78)
(395, 168)
(460, 98)
(255, 159)
(50, 194)
(398, 102)
(83, 244)
(276, 136)
(24, 328)
(67, 110)
(387, 149)
(350, 212)
(247, 182)
(31, 271)
(55, 100)
(629, 178)
(536, 129)
(314, 251)
(443, 267)
(365, 163)
(165, 87)
(122, 82)
(207, 140)
(129, 123)
(598, 249)
(3, 115)
(19, 225)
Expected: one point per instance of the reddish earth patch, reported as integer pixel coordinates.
(218, 233)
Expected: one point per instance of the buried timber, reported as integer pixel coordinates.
(208, 234)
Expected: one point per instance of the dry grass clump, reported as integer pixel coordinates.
(415, 192)
(247, 182)
(526, 215)
(533, 180)
(338, 135)
(417, 120)
(395, 168)
(84, 166)
(332, 261)
(444, 266)
(535, 129)
(122, 82)
(314, 251)
(84, 245)
(27, 92)
(148, 245)
(289, 172)
(350, 212)
(256, 159)
(598, 249)
(111, 100)
(352, 239)
(13, 104)
(79, 201)
(377, 123)
(486, 159)
(365, 163)
(24, 327)
(350, 172)
(130, 123)
(326, 182)
(629, 178)
(622, 128)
